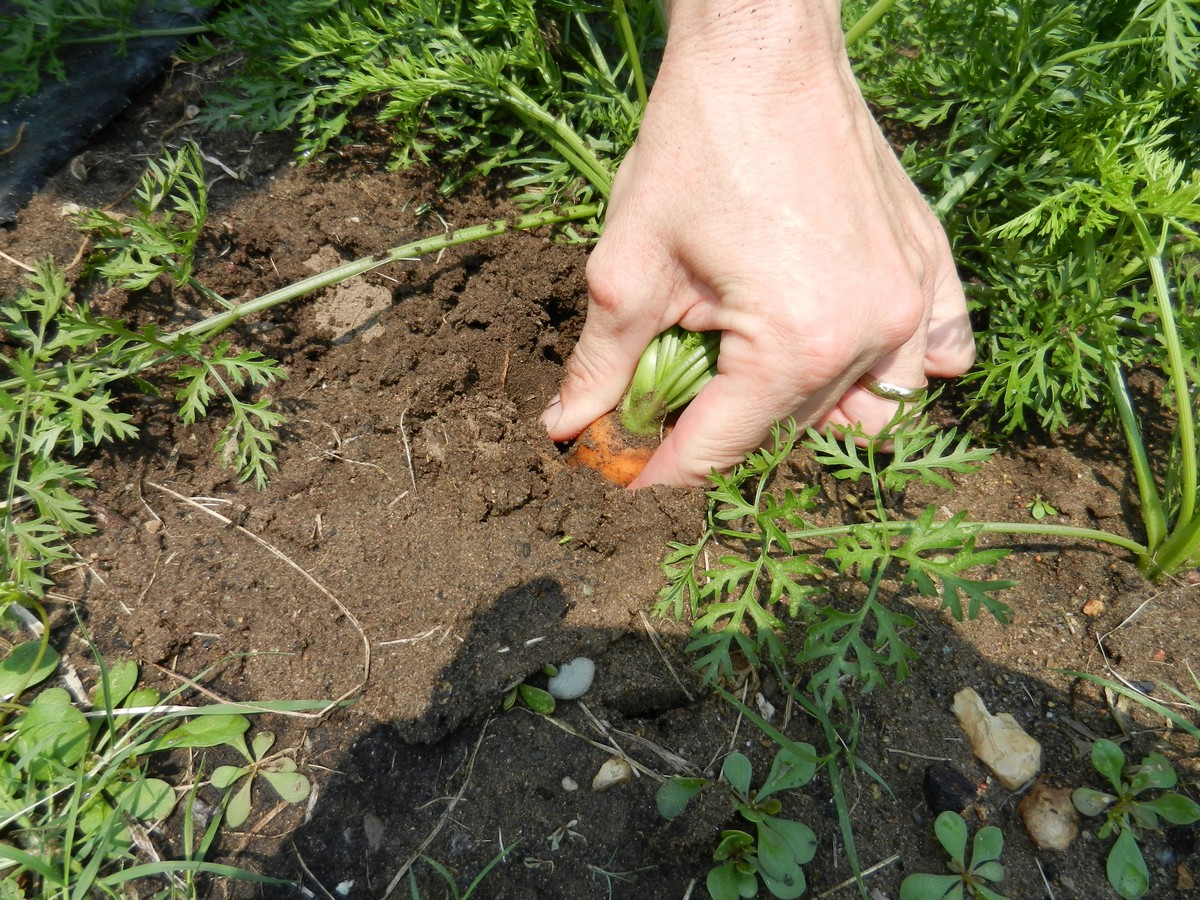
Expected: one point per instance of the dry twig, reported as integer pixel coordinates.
(454, 801)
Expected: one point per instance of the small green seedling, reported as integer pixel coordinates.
(279, 771)
(537, 699)
(968, 880)
(1039, 508)
(453, 890)
(779, 847)
(1126, 814)
(74, 788)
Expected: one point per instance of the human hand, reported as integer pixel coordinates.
(761, 200)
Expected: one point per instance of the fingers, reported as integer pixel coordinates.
(762, 379)
(597, 373)
(950, 344)
(714, 432)
(631, 298)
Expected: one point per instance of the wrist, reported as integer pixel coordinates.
(804, 34)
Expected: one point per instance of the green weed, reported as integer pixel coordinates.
(448, 877)
(1127, 813)
(779, 847)
(971, 875)
(76, 790)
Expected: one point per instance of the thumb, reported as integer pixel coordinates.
(598, 373)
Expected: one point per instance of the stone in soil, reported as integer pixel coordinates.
(998, 741)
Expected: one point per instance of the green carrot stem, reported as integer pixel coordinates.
(672, 370)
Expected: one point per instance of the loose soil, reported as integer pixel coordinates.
(424, 547)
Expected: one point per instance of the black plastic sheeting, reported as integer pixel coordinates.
(42, 133)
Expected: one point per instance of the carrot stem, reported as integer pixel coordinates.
(672, 370)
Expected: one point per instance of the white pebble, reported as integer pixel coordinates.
(614, 771)
(573, 679)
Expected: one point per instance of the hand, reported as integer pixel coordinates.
(761, 200)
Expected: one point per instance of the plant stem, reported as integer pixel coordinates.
(671, 371)
(214, 324)
(117, 37)
(1177, 373)
(625, 33)
(891, 529)
(877, 11)
(560, 136)
(1153, 516)
(405, 252)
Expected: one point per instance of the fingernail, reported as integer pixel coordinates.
(553, 413)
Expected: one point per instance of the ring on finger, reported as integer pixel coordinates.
(887, 391)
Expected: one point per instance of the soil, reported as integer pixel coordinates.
(423, 548)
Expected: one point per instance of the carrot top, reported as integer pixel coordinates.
(672, 370)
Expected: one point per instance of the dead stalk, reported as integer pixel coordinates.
(454, 801)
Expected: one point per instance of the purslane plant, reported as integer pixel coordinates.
(971, 875)
(74, 784)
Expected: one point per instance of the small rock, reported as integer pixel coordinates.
(573, 679)
(947, 789)
(998, 741)
(766, 709)
(373, 829)
(614, 771)
(1049, 816)
(1183, 878)
(569, 784)
(1093, 607)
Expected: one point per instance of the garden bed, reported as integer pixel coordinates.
(423, 548)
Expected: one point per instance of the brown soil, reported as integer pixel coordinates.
(424, 547)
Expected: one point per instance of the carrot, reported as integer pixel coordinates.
(606, 447)
(672, 370)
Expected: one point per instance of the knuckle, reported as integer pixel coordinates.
(609, 284)
(822, 346)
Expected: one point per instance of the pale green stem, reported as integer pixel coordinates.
(1177, 372)
(207, 328)
(561, 137)
(1153, 515)
(671, 371)
(625, 31)
(877, 11)
(117, 37)
(897, 528)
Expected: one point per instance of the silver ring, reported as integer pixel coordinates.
(886, 391)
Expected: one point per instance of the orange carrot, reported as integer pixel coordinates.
(672, 369)
(609, 449)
